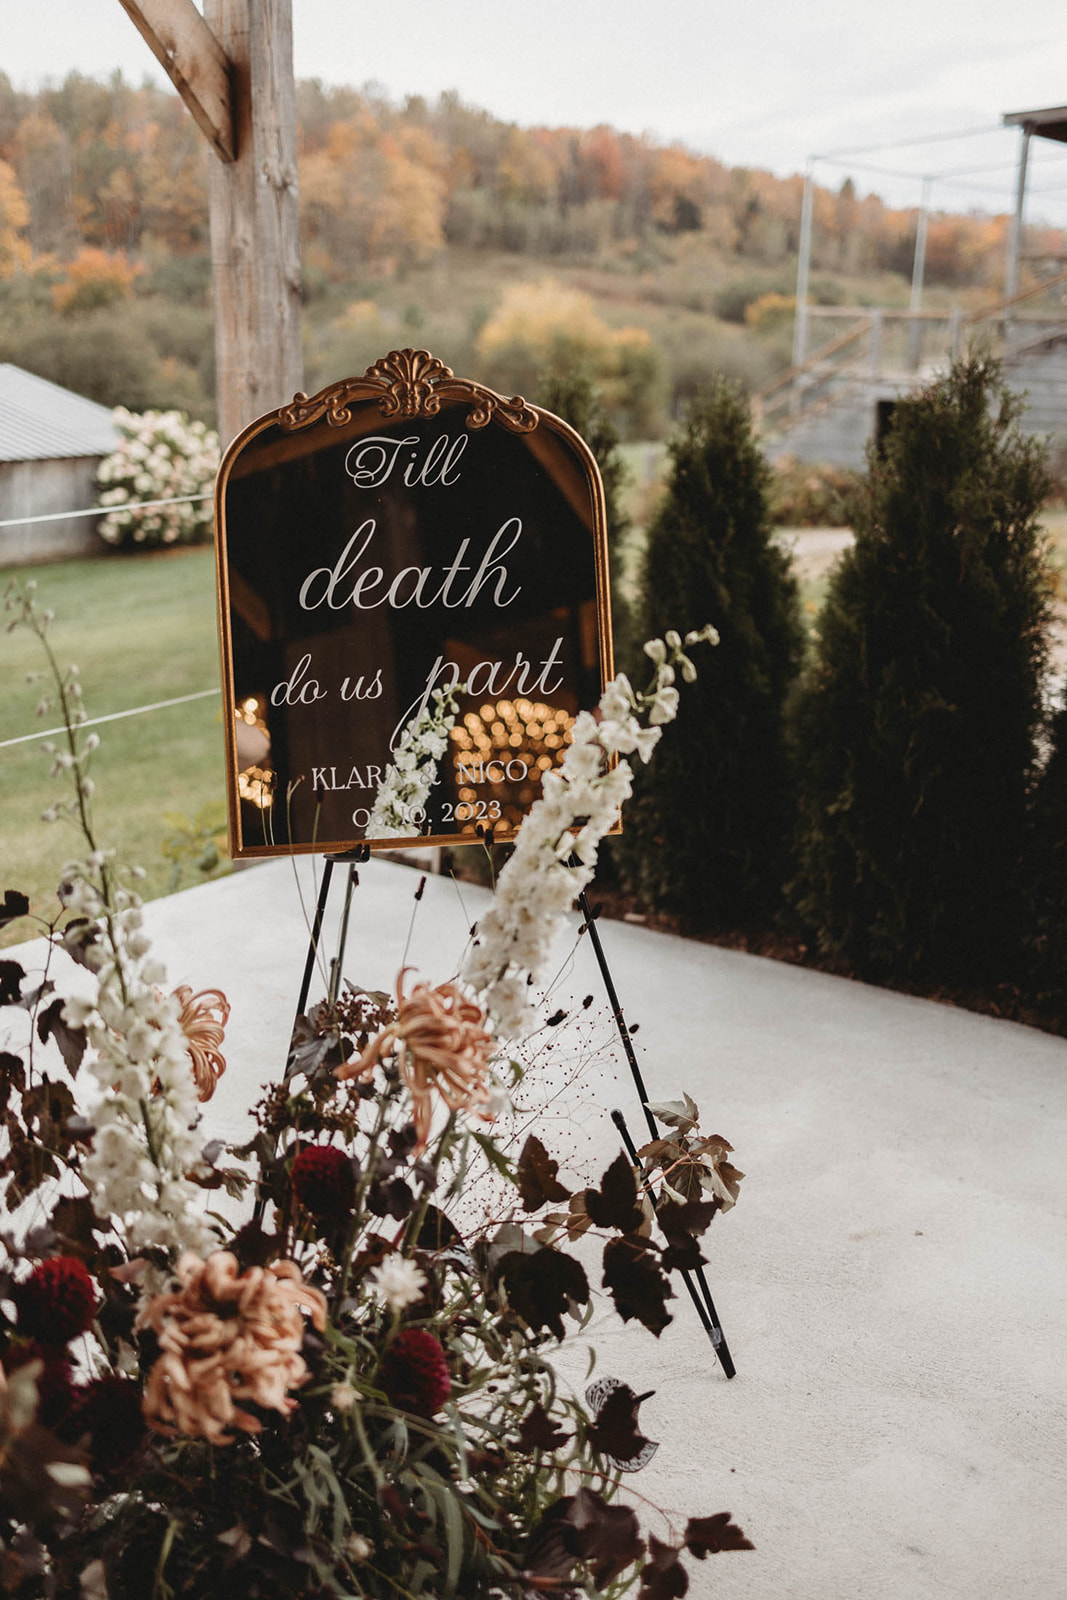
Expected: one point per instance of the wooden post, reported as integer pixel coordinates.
(800, 304)
(193, 59)
(255, 220)
(233, 67)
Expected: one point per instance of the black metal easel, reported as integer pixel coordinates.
(701, 1299)
(353, 858)
(699, 1291)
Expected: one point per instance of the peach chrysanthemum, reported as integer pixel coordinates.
(440, 1042)
(203, 1021)
(224, 1337)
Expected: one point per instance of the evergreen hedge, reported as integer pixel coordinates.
(708, 831)
(916, 729)
(568, 390)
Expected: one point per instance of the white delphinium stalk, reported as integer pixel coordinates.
(146, 1118)
(400, 804)
(145, 1142)
(556, 848)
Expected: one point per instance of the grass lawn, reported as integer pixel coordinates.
(141, 629)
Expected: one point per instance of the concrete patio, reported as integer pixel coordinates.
(892, 1282)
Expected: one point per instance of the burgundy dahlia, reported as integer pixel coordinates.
(56, 1302)
(109, 1411)
(57, 1398)
(323, 1181)
(415, 1373)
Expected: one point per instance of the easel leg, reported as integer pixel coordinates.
(704, 1303)
(705, 1306)
(354, 857)
(316, 934)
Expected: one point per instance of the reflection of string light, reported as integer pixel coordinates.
(256, 785)
(249, 711)
(515, 734)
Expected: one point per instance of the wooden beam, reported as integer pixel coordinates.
(255, 217)
(194, 61)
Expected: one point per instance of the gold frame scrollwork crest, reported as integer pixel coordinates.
(410, 383)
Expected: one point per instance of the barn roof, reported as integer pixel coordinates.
(39, 421)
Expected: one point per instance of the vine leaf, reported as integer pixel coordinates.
(11, 976)
(541, 1286)
(71, 1041)
(681, 1225)
(614, 1204)
(539, 1432)
(662, 1577)
(706, 1535)
(637, 1283)
(536, 1175)
(615, 1433)
(13, 906)
(681, 1114)
(608, 1536)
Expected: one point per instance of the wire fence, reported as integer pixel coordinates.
(113, 716)
(102, 511)
(133, 711)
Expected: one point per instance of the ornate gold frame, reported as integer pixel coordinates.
(405, 383)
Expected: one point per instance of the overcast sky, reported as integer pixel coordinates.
(764, 83)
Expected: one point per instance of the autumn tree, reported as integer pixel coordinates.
(14, 215)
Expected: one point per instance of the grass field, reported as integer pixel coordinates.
(141, 630)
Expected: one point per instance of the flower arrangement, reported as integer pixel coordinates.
(162, 457)
(338, 1392)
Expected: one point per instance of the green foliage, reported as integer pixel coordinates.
(197, 843)
(568, 390)
(148, 356)
(804, 495)
(1046, 882)
(707, 832)
(916, 726)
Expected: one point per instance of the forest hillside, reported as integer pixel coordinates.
(498, 247)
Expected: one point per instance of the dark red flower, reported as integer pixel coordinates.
(415, 1373)
(56, 1302)
(109, 1411)
(323, 1181)
(57, 1397)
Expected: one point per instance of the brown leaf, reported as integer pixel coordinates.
(706, 1535)
(539, 1432)
(536, 1174)
(11, 976)
(637, 1283)
(541, 1286)
(614, 1204)
(662, 1577)
(615, 1432)
(74, 1220)
(71, 1041)
(13, 906)
(680, 1224)
(608, 1535)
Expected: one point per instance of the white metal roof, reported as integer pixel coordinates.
(39, 421)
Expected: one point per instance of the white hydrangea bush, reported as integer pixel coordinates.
(163, 457)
